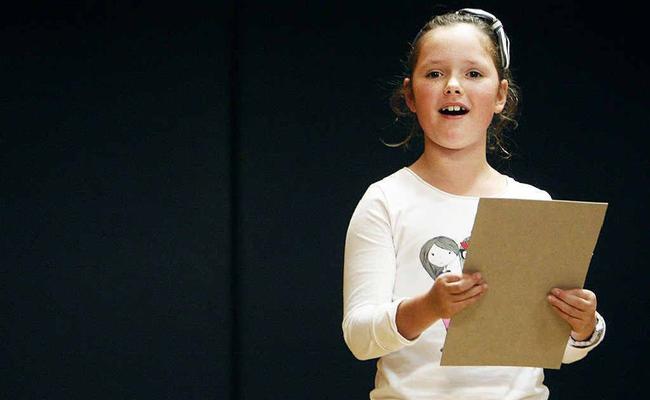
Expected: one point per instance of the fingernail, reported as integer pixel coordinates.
(556, 292)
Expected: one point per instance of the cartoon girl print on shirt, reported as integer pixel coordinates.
(442, 254)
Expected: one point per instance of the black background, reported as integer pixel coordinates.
(177, 181)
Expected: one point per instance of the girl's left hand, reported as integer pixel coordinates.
(578, 308)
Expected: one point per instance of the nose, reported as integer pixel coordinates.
(453, 87)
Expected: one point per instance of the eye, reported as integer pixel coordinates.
(434, 74)
(474, 74)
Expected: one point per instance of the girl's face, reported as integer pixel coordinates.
(455, 69)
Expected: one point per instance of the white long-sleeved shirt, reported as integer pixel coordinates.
(403, 233)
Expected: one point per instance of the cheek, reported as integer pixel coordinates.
(424, 94)
(425, 105)
(484, 106)
(487, 96)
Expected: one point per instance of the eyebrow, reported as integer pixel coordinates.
(466, 61)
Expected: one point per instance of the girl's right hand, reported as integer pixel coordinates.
(451, 293)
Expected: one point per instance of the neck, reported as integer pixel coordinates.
(464, 172)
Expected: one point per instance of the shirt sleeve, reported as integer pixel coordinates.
(369, 311)
(578, 350)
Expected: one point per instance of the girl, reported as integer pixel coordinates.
(459, 90)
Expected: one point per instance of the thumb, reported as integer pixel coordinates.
(450, 277)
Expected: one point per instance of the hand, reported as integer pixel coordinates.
(452, 293)
(578, 308)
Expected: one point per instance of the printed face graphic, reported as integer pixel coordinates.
(443, 258)
(443, 254)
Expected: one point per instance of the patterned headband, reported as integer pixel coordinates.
(497, 27)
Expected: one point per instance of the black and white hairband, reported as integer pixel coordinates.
(497, 27)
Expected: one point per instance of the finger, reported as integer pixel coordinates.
(461, 286)
(570, 298)
(469, 301)
(566, 308)
(473, 291)
(464, 284)
(568, 318)
(582, 293)
(478, 278)
(449, 277)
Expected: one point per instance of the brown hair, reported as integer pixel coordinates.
(501, 121)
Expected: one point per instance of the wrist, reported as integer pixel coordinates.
(413, 316)
(431, 308)
(593, 339)
(587, 333)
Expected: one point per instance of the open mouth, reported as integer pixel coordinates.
(453, 110)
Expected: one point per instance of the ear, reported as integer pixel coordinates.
(502, 95)
(408, 94)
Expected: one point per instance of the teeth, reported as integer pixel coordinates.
(453, 108)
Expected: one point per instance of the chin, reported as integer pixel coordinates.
(454, 141)
(449, 143)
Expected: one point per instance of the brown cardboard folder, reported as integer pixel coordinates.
(523, 249)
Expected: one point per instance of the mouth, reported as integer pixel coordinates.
(453, 110)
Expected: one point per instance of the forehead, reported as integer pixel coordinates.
(458, 42)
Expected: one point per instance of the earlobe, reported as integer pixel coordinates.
(502, 96)
(408, 94)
